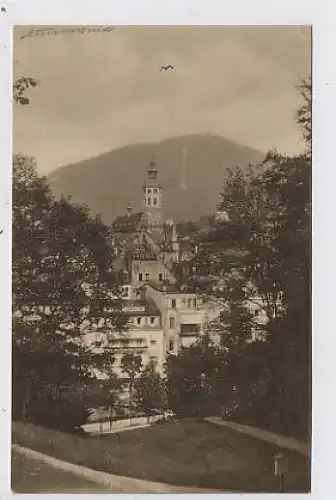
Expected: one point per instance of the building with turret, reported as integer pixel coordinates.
(164, 314)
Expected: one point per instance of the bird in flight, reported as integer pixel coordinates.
(167, 68)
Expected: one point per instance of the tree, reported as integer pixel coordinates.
(131, 365)
(269, 220)
(106, 393)
(269, 214)
(304, 113)
(20, 86)
(62, 285)
(149, 391)
(196, 379)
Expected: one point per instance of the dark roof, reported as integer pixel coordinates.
(142, 254)
(172, 288)
(128, 222)
(137, 307)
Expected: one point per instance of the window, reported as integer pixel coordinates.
(184, 301)
(189, 302)
(140, 276)
(190, 329)
(154, 360)
(195, 303)
(139, 321)
(173, 303)
(149, 191)
(171, 345)
(171, 322)
(160, 277)
(256, 312)
(152, 320)
(155, 201)
(147, 276)
(149, 201)
(153, 342)
(155, 191)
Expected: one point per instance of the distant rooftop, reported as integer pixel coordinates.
(128, 222)
(143, 255)
(171, 288)
(137, 307)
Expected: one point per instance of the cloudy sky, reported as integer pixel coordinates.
(100, 91)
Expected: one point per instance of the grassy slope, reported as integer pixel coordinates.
(31, 476)
(186, 453)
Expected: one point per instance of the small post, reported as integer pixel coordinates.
(281, 483)
(280, 467)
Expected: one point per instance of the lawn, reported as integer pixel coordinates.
(185, 453)
(31, 476)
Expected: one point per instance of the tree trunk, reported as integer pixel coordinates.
(111, 409)
(26, 400)
(131, 401)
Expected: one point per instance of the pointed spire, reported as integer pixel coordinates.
(152, 162)
(152, 170)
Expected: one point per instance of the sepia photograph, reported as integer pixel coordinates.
(161, 259)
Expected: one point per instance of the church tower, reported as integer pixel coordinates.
(153, 198)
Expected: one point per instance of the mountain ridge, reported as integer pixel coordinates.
(191, 171)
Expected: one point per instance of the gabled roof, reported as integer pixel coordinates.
(137, 307)
(128, 222)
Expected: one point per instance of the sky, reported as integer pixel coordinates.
(103, 90)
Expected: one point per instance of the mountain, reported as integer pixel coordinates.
(191, 171)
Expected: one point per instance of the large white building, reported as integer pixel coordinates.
(163, 315)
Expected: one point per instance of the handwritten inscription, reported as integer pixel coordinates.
(56, 31)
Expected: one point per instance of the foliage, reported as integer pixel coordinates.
(304, 113)
(269, 212)
(62, 283)
(269, 221)
(20, 86)
(149, 391)
(131, 365)
(196, 380)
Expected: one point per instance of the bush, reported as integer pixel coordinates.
(60, 413)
